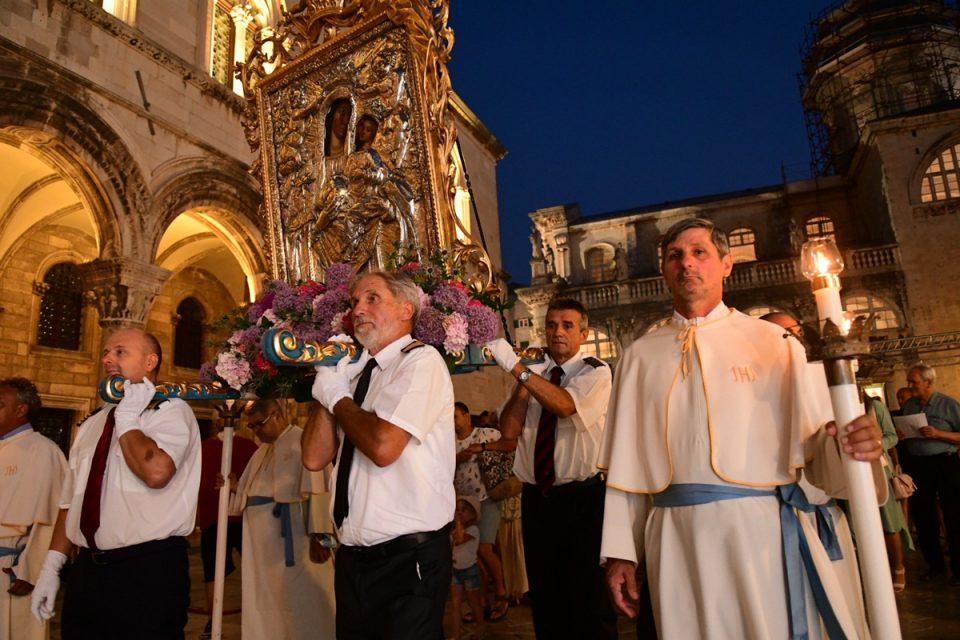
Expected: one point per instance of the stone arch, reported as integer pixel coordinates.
(36, 115)
(225, 188)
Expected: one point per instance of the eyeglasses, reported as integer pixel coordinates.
(259, 423)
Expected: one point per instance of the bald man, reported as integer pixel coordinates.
(128, 501)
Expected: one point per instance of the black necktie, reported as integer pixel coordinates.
(341, 503)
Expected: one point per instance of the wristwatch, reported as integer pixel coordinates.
(524, 375)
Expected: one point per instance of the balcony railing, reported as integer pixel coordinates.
(746, 275)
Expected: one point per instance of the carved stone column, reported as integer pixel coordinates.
(123, 289)
(242, 16)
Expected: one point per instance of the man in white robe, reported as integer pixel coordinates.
(33, 468)
(711, 417)
(287, 579)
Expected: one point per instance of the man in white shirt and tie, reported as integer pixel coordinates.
(557, 411)
(388, 422)
(128, 501)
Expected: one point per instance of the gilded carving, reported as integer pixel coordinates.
(354, 135)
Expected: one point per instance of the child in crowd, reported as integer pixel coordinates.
(465, 539)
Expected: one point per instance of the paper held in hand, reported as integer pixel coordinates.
(909, 426)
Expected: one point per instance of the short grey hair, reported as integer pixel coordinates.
(927, 373)
(717, 236)
(27, 394)
(399, 284)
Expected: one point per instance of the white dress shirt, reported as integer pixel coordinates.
(578, 436)
(415, 493)
(130, 511)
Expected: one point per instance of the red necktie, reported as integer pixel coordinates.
(546, 441)
(90, 511)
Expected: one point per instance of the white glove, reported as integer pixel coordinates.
(332, 384)
(503, 353)
(44, 593)
(136, 398)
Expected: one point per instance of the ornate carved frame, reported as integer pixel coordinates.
(320, 33)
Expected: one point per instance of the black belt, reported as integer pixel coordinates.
(573, 485)
(111, 556)
(399, 544)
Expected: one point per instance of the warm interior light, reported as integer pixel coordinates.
(820, 257)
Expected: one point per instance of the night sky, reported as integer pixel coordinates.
(616, 104)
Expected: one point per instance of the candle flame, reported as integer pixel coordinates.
(822, 263)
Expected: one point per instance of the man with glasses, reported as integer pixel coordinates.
(287, 581)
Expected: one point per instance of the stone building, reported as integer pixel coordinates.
(880, 89)
(124, 193)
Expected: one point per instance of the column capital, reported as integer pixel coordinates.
(242, 14)
(123, 289)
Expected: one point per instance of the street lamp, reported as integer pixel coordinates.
(822, 263)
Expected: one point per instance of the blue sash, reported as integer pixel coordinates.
(15, 552)
(796, 551)
(281, 510)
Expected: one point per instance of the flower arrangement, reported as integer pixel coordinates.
(452, 315)
(313, 311)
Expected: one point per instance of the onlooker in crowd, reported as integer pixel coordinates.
(895, 531)
(468, 481)
(557, 411)
(208, 498)
(128, 502)
(390, 416)
(903, 394)
(33, 472)
(935, 469)
(286, 579)
(465, 539)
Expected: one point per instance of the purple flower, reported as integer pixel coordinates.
(430, 329)
(288, 302)
(338, 274)
(450, 298)
(310, 332)
(208, 372)
(483, 322)
(263, 303)
(457, 333)
(328, 306)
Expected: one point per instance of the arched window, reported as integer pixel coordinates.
(660, 254)
(61, 307)
(600, 264)
(743, 245)
(884, 316)
(820, 227)
(941, 180)
(662, 322)
(188, 336)
(599, 345)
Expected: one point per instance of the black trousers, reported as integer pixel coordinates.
(143, 596)
(393, 591)
(561, 543)
(937, 477)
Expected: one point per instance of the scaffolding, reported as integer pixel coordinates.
(865, 60)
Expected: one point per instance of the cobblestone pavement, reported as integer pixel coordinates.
(928, 611)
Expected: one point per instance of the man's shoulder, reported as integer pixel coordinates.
(596, 363)
(41, 443)
(949, 401)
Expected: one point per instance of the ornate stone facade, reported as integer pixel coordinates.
(123, 155)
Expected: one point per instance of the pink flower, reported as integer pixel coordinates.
(234, 370)
(457, 333)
